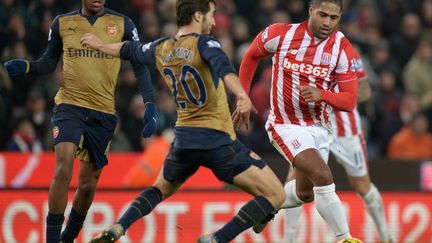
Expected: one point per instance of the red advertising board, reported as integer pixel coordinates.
(20, 170)
(186, 215)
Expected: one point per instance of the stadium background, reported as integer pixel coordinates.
(394, 37)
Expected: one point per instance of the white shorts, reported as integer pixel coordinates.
(291, 139)
(351, 153)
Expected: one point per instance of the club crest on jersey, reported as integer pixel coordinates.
(213, 44)
(326, 58)
(56, 132)
(296, 144)
(293, 51)
(112, 29)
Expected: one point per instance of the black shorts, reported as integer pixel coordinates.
(226, 162)
(89, 129)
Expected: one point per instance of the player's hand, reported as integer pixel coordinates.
(242, 112)
(149, 120)
(310, 94)
(16, 67)
(364, 91)
(92, 41)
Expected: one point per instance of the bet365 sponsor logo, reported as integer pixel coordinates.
(307, 69)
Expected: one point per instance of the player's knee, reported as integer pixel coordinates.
(306, 196)
(63, 174)
(321, 177)
(361, 188)
(87, 187)
(276, 195)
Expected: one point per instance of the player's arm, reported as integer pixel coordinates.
(346, 99)
(92, 41)
(211, 51)
(133, 51)
(346, 77)
(145, 86)
(47, 63)
(249, 63)
(142, 73)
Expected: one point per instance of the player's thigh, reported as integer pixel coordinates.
(350, 152)
(290, 140)
(180, 164)
(228, 161)
(98, 132)
(68, 129)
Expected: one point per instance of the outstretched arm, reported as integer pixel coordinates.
(92, 41)
(47, 63)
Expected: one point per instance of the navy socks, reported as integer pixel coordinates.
(143, 205)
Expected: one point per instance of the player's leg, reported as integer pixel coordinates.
(148, 199)
(87, 181)
(98, 131)
(292, 215)
(307, 147)
(328, 204)
(175, 171)
(57, 194)
(67, 134)
(248, 172)
(350, 152)
(373, 202)
(143, 204)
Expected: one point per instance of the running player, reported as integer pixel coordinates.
(193, 66)
(349, 149)
(308, 58)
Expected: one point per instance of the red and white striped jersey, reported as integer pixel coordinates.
(301, 59)
(347, 124)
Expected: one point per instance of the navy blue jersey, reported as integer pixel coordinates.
(192, 66)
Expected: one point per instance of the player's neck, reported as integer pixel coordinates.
(188, 29)
(87, 12)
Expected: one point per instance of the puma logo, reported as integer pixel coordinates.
(73, 29)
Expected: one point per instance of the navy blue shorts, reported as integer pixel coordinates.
(89, 129)
(226, 162)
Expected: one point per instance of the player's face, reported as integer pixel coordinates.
(324, 19)
(93, 6)
(209, 21)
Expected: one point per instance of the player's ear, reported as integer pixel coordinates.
(198, 16)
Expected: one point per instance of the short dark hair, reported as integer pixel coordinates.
(187, 8)
(318, 2)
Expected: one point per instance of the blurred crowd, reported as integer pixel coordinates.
(393, 36)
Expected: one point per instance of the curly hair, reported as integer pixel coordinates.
(187, 8)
